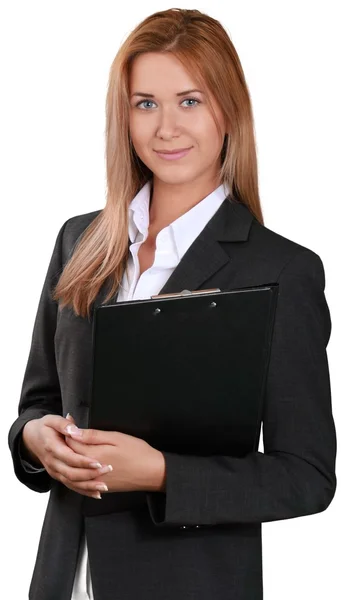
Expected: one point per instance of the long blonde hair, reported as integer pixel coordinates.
(205, 49)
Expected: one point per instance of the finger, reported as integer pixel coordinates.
(94, 436)
(60, 424)
(86, 449)
(58, 448)
(85, 486)
(79, 488)
(96, 495)
(75, 474)
(70, 418)
(90, 449)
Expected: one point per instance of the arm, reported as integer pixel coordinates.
(295, 476)
(26, 460)
(40, 393)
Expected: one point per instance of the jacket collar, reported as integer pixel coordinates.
(231, 223)
(207, 255)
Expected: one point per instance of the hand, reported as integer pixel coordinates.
(137, 466)
(44, 438)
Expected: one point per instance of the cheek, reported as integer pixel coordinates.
(210, 143)
(142, 143)
(207, 131)
(141, 129)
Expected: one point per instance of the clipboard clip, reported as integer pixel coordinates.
(186, 293)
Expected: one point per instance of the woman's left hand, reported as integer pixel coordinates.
(136, 465)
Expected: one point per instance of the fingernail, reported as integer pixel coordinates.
(106, 469)
(102, 487)
(97, 496)
(95, 465)
(73, 430)
(67, 416)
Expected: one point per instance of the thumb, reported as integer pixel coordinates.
(64, 425)
(69, 430)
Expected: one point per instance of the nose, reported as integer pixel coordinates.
(167, 125)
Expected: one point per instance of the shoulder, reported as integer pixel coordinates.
(73, 228)
(300, 273)
(282, 253)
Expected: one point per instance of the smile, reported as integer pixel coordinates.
(174, 155)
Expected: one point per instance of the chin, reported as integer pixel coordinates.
(175, 178)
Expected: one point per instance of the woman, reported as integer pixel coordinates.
(177, 526)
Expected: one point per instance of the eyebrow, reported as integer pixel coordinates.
(179, 94)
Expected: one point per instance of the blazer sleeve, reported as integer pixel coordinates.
(295, 476)
(40, 393)
(28, 466)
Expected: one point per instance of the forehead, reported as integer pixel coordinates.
(155, 72)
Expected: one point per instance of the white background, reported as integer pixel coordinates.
(55, 60)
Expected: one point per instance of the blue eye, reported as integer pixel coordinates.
(186, 100)
(190, 100)
(142, 102)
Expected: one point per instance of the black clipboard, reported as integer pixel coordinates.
(186, 372)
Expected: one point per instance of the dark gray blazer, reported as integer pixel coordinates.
(200, 539)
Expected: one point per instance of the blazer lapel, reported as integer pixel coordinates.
(231, 223)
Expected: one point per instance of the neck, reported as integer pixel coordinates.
(168, 202)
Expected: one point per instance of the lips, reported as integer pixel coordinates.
(172, 151)
(173, 154)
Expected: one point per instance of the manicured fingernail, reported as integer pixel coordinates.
(67, 416)
(95, 465)
(97, 496)
(105, 469)
(73, 430)
(102, 487)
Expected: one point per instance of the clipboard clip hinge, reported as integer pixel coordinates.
(186, 293)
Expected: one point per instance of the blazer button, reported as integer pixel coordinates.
(183, 527)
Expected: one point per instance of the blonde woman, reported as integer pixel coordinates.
(125, 520)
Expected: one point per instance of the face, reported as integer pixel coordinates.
(162, 118)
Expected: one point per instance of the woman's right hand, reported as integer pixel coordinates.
(44, 439)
